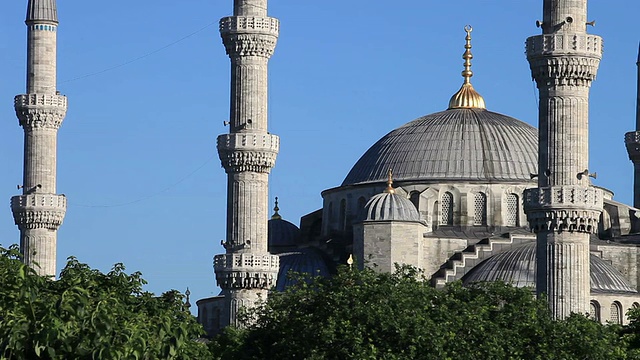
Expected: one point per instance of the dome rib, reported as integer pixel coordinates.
(456, 144)
(390, 207)
(42, 10)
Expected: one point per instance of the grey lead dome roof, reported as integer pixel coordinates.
(390, 207)
(456, 144)
(518, 268)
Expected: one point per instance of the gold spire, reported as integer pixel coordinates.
(275, 215)
(390, 189)
(467, 97)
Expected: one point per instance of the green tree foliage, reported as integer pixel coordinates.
(368, 315)
(90, 315)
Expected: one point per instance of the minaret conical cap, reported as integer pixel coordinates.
(467, 97)
(42, 10)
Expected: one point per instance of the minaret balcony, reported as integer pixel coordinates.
(246, 270)
(40, 110)
(632, 141)
(564, 59)
(249, 25)
(36, 211)
(563, 208)
(248, 151)
(564, 44)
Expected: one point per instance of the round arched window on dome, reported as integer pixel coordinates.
(480, 209)
(512, 218)
(616, 313)
(446, 213)
(594, 310)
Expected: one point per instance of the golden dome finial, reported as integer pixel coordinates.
(275, 215)
(467, 97)
(390, 189)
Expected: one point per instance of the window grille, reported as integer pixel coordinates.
(616, 310)
(512, 210)
(446, 216)
(480, 214)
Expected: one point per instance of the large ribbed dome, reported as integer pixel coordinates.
(518, 268)
(456, 144)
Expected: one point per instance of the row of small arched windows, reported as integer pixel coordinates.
(445, 209)
(615, 311)
(43, 27)
(479, 210)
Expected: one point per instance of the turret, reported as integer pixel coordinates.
(564, 209)
(39, 211)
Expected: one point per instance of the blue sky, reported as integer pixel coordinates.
(148, 89)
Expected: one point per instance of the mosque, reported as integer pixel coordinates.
(463, 194)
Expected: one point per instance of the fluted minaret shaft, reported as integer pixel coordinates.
(247, 271)
(39, 211)
(565, 208)
(632, 141)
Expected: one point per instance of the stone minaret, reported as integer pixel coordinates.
(632, 140)
(39, 211)
(247, 271)
(565, 208)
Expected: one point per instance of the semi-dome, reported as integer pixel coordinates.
(518, 268)
(456, 144)
(305, 261)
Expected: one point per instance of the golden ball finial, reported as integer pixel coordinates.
(275, 215)
(467, 97)
(390, 189)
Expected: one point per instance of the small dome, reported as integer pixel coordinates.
(390, 206)
(282, 234)
(518, 268)
(304, 261)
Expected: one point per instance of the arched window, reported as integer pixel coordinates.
(331, 221)
(635, 305)
(414, 197)
(446, 213)
(480, 209)
(512, 216)
(616, 313)
(343, 215)
(362, 202)
(594, 311)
